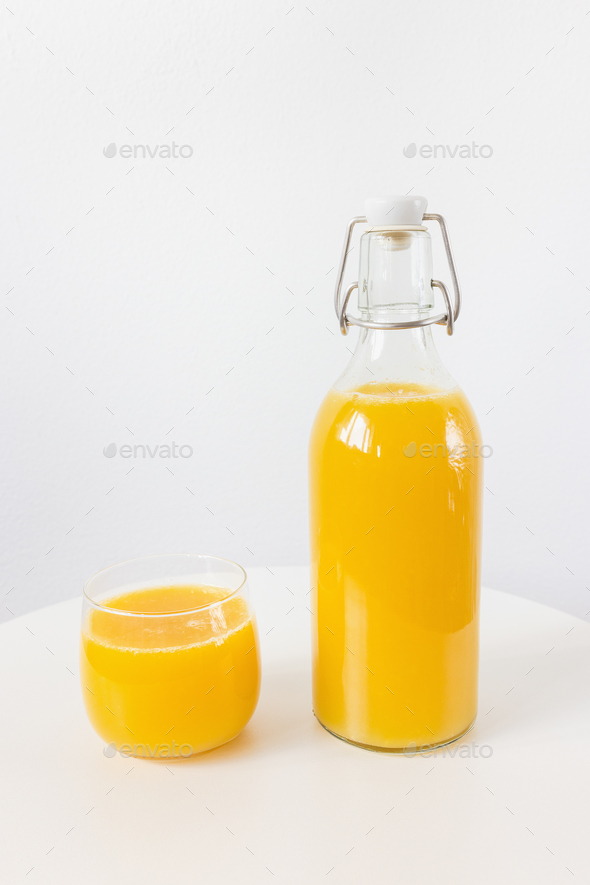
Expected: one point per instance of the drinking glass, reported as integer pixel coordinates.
(169, 654)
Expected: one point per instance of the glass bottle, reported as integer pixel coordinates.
(395, 508)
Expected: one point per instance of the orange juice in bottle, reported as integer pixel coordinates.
(395, 508)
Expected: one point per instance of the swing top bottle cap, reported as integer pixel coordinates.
(395, 210)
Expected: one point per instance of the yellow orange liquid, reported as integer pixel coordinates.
(174, 684)
(395, 542)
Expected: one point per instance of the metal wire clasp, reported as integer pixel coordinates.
(447, 319)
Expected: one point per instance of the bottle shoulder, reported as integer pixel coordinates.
(381, 410)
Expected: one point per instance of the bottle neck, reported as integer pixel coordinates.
(404, 360)
(395, 286)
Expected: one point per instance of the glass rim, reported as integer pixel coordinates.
(184, 611)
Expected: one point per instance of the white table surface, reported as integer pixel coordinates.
(285, 801)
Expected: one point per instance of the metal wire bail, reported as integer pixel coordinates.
(447, 319)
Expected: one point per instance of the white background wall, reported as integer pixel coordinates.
(153, 300)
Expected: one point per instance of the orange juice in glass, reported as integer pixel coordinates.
(169, 655)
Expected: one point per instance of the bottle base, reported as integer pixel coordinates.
(410, 749)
